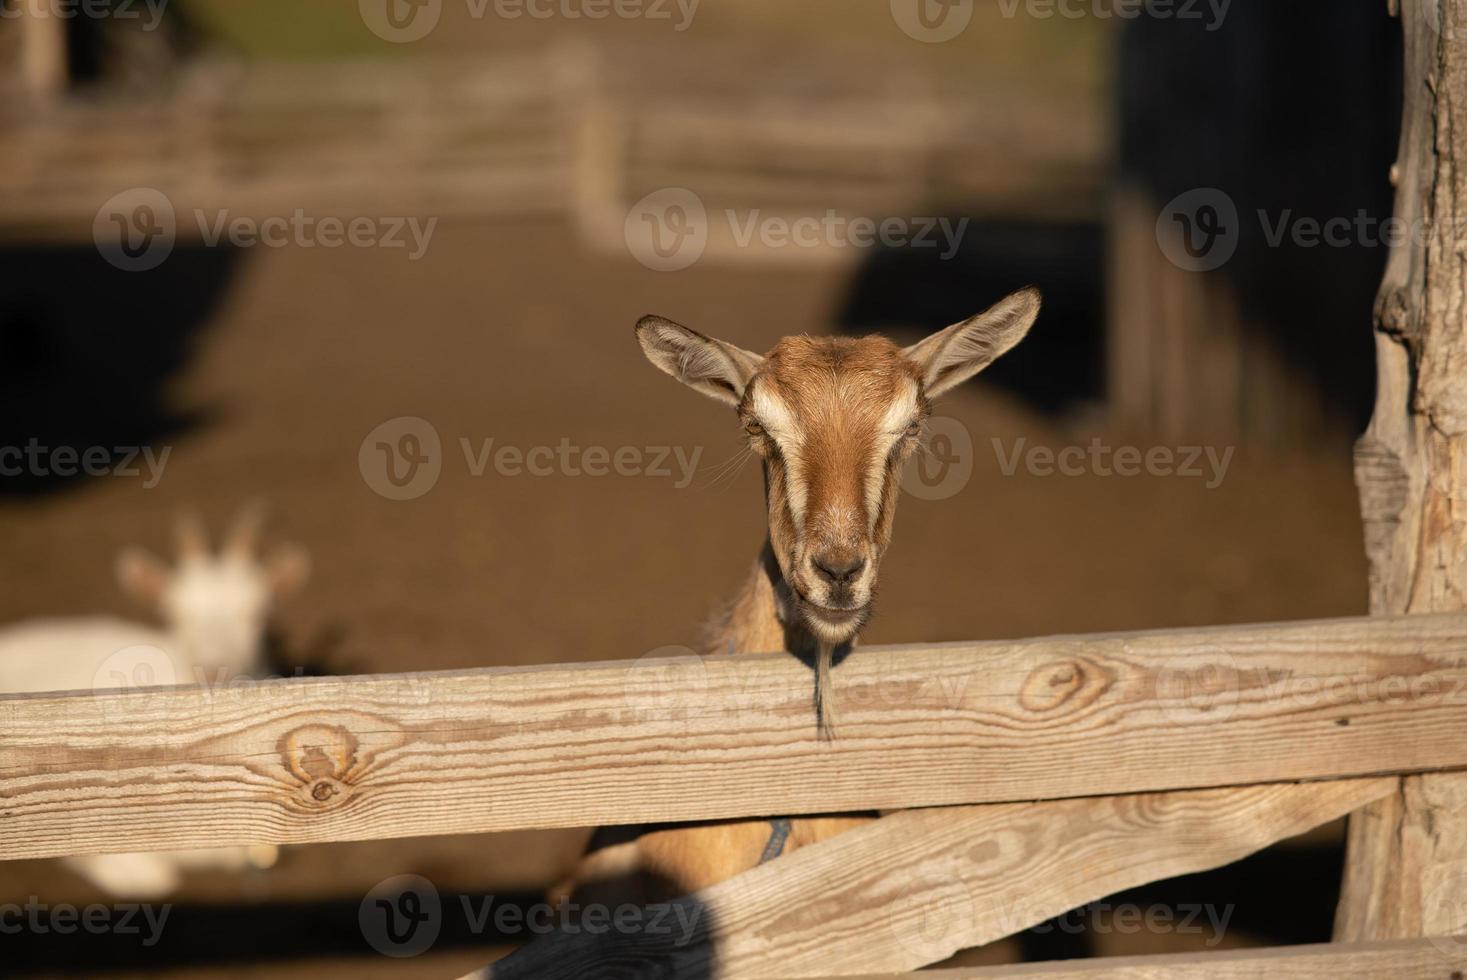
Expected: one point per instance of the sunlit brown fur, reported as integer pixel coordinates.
(831, 484)
(839, 392)
(833, 419)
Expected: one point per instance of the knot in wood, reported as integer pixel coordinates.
(323, 759)
(1068, 684)
(1393, 310)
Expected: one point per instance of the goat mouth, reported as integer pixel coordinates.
(803, 600)
(834, 612)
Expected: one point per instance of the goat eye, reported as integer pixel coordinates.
(913, 430)
(754, 429)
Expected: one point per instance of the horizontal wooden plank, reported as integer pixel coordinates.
(917, 886)
(461, 138)
(1407, 959)
(320, 759)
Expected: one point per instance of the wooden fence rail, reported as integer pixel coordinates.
(577, 129)
(918, 886)
(330, 759)
(1410, 959)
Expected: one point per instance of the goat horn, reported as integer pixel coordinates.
(244, 533)
(189, 532)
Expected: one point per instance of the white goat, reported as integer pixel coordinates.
(215, 610)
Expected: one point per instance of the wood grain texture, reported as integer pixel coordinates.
(1415, 959)
(1406, 870)
(917, 886)
(324, 759)
(1406, 875)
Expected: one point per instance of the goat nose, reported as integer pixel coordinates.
(838, 569)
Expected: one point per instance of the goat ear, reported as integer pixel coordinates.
(141, 575)
(952, 356)
(712, 367)
(287, 569)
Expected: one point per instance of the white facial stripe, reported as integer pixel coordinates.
(779, 422)
(774, 415)
(898, 416)
(796, 492)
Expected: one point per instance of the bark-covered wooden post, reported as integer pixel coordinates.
(1406, 864)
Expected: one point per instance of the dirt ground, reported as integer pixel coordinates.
(515, 332)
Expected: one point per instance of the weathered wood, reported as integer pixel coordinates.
(319, 759)
(1406, 871)
(917, 886)
(1404, 874)
(1413, 959)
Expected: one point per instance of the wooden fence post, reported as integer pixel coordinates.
(43, 62)
(1406, 864)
